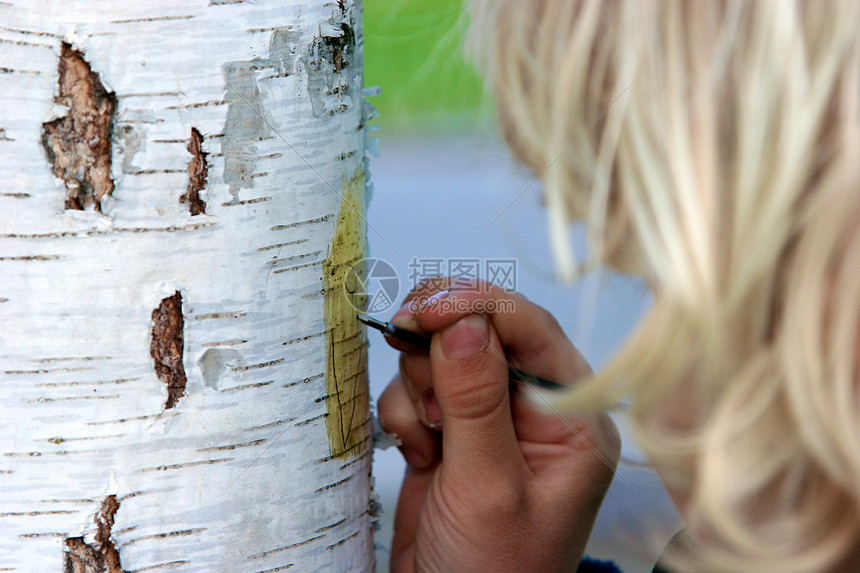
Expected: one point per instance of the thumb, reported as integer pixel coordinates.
(470, 380)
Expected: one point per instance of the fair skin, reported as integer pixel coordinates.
(494, 481)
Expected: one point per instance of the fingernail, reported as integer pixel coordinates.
(466, 337)
(435, 299)
(413, 457)
(432, 413)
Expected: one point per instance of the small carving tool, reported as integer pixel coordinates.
(423, 342)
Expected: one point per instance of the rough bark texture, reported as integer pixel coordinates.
(198, 172)
(102, 556)
(79, 144)
(257, 458)
(166, 346)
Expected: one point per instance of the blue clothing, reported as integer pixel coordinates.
(588, 565)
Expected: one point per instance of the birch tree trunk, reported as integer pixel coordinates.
(182, 380)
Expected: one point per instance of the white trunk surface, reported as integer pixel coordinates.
(262, 464)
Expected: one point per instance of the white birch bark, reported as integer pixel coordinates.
(240, 473)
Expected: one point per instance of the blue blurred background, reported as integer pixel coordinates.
(445, 187)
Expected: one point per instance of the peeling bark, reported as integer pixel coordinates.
(337, 48)
(198, 171)
(103, 556)
(167, 345)
(79, 144)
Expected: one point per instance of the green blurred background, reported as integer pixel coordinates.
(413, 49)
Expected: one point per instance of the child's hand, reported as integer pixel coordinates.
(494, 483)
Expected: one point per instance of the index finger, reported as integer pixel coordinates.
(417, 297)
(531, 337)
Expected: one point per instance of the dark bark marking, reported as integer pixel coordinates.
(339, 49)
(281, 245)
(322, 416)
(276, 569)
(297, 267)
(79, 145)
(270, 425)
(326, 61)
(210, 103)
(183, 465)
(180, 533)
(154, 171)
(167, 346)
(261, 365)
(27, 32)
(285, 547)
(277, 261)
(212, 315)
(233, 446)
(307, 337)
(304, 380)
(246, 386)
(159, 19)
(163, 566)
(103, 557)
(247, 201)
(31, 258)
(94, 233)
(198, 172)
(232, 342)
(331, 526)
(303, 223)
(122, 420)
(342, 541)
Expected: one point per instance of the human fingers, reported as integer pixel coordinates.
(534, 342)
(532, 338)
(470, 381)
(417, 377)
(397, 415)
(418, 296)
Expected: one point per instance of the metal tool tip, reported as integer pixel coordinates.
(369, 320)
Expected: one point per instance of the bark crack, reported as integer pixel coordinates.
(167, 346)
(198, 171)
(79, 145)
(338, 49)
(101, 557)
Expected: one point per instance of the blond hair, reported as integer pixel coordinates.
(713, 147)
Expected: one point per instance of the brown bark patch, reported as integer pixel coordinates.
(198, 171)
(338, 50)
(79, 144)
(103, 556)
(167, 345)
